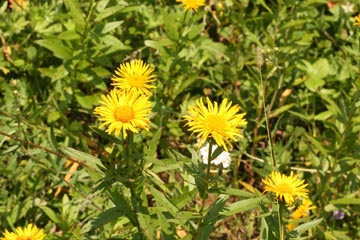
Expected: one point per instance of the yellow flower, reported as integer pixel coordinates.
(134, 75)
(300, 212)
(124, 111)
(220, 123)
(31, 232)
(357, 20)
(192, 4)
(291, 226)
(286, 188)
(303, 209)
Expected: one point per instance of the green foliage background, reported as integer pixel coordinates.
(57, 59)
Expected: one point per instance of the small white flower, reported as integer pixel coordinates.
(223, 158)
(348, 7)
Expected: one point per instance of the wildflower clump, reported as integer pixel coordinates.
(223, 122)
(30, 232)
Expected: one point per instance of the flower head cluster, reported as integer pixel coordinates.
(357, 20)
(192, 4)
(127, 106)
(30, 232)
(222, 123)
(223, 158)
(286, 188)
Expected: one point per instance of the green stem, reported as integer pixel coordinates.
(280, 219)
(129, 161)
(208, 162)
(180, 28)
(267, 120)
(131, 173)
(206, 189)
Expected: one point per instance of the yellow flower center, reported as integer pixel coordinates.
(216, 123)
(284, 188)
(136, 80)
(123, 114)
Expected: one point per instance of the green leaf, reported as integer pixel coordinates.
(154, 143)
(51, 214)
(110, 26)
(119, 198)
(281, 109)
(318, 145)
(336, 235)
(161, 200)
(60, 73)
(296, 22)
(216, 49)
(346, 201)
(92, 165)
(107, 216)
(164, 165)
(19, 211)
(53, 116)
(56, 47)
(195, 31)
(86, 102)
(164, 223)
(110, 44)
(316, 72)
(110, 11)
(68, 35)
(171, 25)
(159, 45)
(76, 13)
(242, 206)
(323, 116)
(306, 226)
(236, 192)
(308, 3)
(184, 198)
(213, 215)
